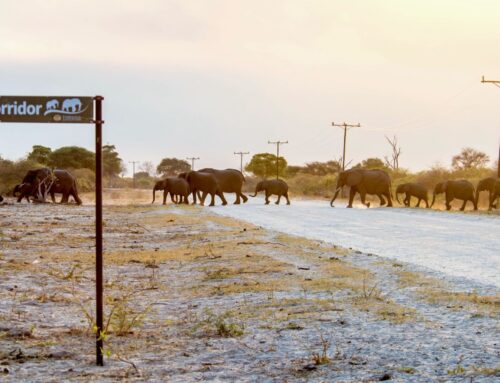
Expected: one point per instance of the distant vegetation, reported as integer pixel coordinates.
(314, 179)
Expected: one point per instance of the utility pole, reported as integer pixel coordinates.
(241, 154)
(133, 171)
(345, 127)
(192, 159)
(277, 143)
(496, 83)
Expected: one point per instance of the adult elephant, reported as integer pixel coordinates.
(365, 182)
(491, 185)
(459, 189)
(230, 181)
(41, 182)
(206, 183)
(272, 187)
(411, 189)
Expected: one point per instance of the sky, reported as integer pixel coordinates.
(208, 78)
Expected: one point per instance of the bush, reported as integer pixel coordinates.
(313, 186)
(85, 179)
(12, 173)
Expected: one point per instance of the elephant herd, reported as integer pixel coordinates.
(215, 182)
(377, 182)
(38, 184)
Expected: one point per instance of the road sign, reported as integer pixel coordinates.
(53, 109)
(71, 109)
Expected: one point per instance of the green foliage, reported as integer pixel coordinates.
(73, 157)
(85, 179)
(372, 163)
(40, 154)
(12, 173)
(469, 158)
(313, 186)
(264, 165)
(112, 164)
(172, 167)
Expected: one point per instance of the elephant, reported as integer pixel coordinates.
(52, 104)
(492, 185)
(178, 189)
(459, 189)
(205, 183)
(270, 187)
(41, 182)
(72, 105)
(412, 190)
(365, 182)
(230, 181)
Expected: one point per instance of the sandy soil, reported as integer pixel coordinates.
(194, 296)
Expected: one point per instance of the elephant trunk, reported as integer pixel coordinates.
(154, 195)
(433, 198)
(397, 197)
(255, 195)
(335, 195)
(476, 197)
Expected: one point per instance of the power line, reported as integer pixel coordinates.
(192, 159)
(133, 171)
(241, 154)
(345, 126)
(277, 143)
(496, 83)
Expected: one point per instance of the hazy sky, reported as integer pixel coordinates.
(209, 77)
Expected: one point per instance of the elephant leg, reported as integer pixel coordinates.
(223, 199)
(212, 203)
(202, 197)
(463, 205)
(238, 200)
(194, 197)
(418, 202)
(352, 193)
(474, 203)
(387, 195)
(362, 194)
(77, 199)
(65, 197)
(53, 197)
(244, 197)
(382, 200)
(287, 200)
(267, 197)
(165, 197)
(426, 203)
(278, 200)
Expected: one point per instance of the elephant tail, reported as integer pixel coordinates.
(75, 194)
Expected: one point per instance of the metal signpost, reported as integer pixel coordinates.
(69, 109)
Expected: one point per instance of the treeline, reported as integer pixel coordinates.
(314, 179)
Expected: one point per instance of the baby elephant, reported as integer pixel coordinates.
(412, 190)
(270, 187)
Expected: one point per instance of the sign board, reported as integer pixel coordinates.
(56, 109)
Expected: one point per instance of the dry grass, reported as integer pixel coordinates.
(436, 292)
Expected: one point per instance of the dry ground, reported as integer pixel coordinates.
(192, 296)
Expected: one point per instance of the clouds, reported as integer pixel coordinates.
(183, 77)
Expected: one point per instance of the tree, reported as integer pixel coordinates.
(322, 168)
(112, 165)
(73, 157)
(148, 167)
(264, 165)
(393, 161)
(40, 154)
(371, 163)
(172, 166)
(469, 159)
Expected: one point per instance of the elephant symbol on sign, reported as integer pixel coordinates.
(72, 105)
(52, 104)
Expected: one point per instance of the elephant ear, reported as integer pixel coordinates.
(354, 178)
